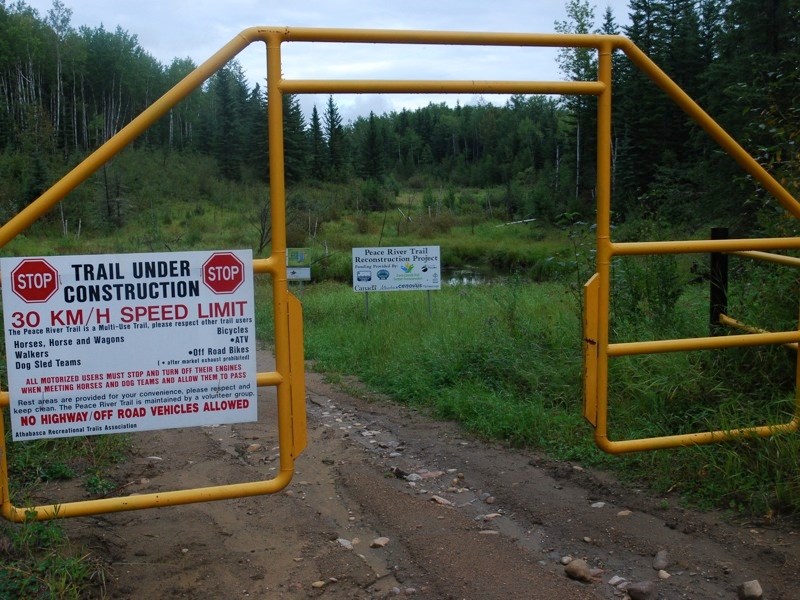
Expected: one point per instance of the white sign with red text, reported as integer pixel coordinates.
(117, 343)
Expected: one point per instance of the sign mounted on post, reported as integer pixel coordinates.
(298, 273)
(297, 268)
(405, 268)
(132, 342)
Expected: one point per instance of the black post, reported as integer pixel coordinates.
(718, 278)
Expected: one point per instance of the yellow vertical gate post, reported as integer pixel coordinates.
(280, 294)
(603, 239)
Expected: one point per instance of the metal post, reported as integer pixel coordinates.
(718, 281)
(604, 244)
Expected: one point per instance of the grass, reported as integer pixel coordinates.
(504, 360)
(470, 360)
(33, 462)
(39, 563)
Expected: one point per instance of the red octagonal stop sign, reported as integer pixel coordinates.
(34, 280)
(223, 273)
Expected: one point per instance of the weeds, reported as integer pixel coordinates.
(98, 485)
(504, 360)
(33, 462)
(38, 563)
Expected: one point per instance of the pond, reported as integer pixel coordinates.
(465, 276)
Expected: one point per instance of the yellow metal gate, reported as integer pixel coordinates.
(288, 377)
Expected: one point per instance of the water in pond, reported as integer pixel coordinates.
(465, 276)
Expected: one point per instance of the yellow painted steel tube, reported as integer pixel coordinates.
(590, 350)
(780, 259)
(154, 500)
(5, 494)
(381, 86)
(158, 499)
(604, 253)
(703, 343)
(707, 437)
(445, 38)
(280, 291)
(696, 439)
(275, 264)
(264, 265)
(703, 246)
(272, 378)
(607, 249)
(734, 324)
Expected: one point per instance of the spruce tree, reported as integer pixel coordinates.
(318, 162)
(335, 141)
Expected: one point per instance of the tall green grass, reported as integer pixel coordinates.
(39, 563)
(504, 360)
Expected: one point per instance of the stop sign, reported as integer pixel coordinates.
(223, 273)
(34, 280)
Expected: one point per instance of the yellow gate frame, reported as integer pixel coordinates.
(287, 313)
(597, 347)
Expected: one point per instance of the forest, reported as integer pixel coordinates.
(65, 90)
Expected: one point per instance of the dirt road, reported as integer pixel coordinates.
(388, 503)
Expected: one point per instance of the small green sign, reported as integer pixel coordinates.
(296, 257)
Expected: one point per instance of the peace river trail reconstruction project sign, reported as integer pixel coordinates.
(129, 342)
(404, 268)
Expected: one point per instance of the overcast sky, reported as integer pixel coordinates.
(196, 29)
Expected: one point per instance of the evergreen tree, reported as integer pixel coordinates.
(618, 61)
(58, 18)
(757, 73)
(183, 120)
(225, 137)
(371, 151)
(646, 125)
(295, 142)
(256, 142)
(318, 166)
(335, 141)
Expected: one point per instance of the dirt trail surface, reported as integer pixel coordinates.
(388, 503)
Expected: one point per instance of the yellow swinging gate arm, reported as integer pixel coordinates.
(288, 376)
(597, 347)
